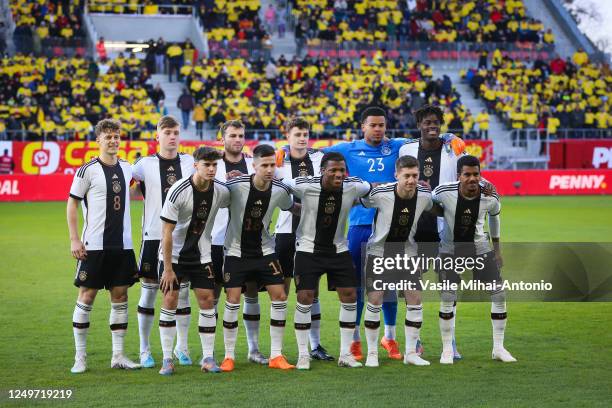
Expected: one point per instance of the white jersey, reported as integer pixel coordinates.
(396, 218)
(105, 198)
(156, 175)
(309, 165)
(245, 166)
(464, 218)
(435, 167)
(251, 211)
(193, 211)
(324, 213)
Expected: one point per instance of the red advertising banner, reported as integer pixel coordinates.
(21, 187)
(55, 187)
(42, 158)
(581, 154)
(551, 182)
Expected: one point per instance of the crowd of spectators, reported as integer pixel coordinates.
(45, 24)
(60, 98)
(329, 95)
(416, 20)
(571, 93)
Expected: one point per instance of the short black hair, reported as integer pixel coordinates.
(331, 156)
(207, 153)
(263, 150)
(406, 162)
(427, 110)
(467, 160)
(372, 111)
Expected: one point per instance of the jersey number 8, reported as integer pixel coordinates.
(117, 203)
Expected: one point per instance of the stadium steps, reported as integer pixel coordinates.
(500, 136)
(173, 90)
(564, 44)
(8, 26)
(281, 46)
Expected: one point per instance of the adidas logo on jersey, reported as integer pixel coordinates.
(302, 164)
(361, 153)
(115, 176)
(258, 202)
(428, 160)
(170, 168)
(405, 210)
(331, 198)
(467, 211)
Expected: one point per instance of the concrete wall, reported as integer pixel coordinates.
(139, 28)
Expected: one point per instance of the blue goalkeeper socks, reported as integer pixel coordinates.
(389, 312)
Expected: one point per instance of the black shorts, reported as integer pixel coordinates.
(265, 271)
(285, 251)
(147, 264)
(200, 275)
(339, 268)
(391, 275)
(107, 269)
(488, 273)
(217, 255)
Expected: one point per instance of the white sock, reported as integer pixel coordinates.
(499, 318)
(80, 327)
(371, 322)
(278, 317)
(146, 313)
(183, 318)
(315, 324)
(230, 328)
(250, 317)
(446, 325)
(167, 330)
(206, 326)
(412, 327)
(302, 324)
(118, 321)
(348, 315)
(390, 332)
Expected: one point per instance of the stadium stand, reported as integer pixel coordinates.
(446, 21)
(62, 98)
(328, 94)
(48, 26)
(553, 96)
(234, 28)
(141, 7)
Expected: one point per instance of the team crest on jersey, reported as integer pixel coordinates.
(428, 170)
(330, 207)
(226, 276)
(82, 276)
(171, 179)
(403, 220)
(116, 187)
(385, 150)
(202, 210)
(466, 220)
(256, 212)
(303, 170)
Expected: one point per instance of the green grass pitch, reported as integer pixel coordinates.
(563, 348)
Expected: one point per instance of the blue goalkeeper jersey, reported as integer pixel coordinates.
(375, 164)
